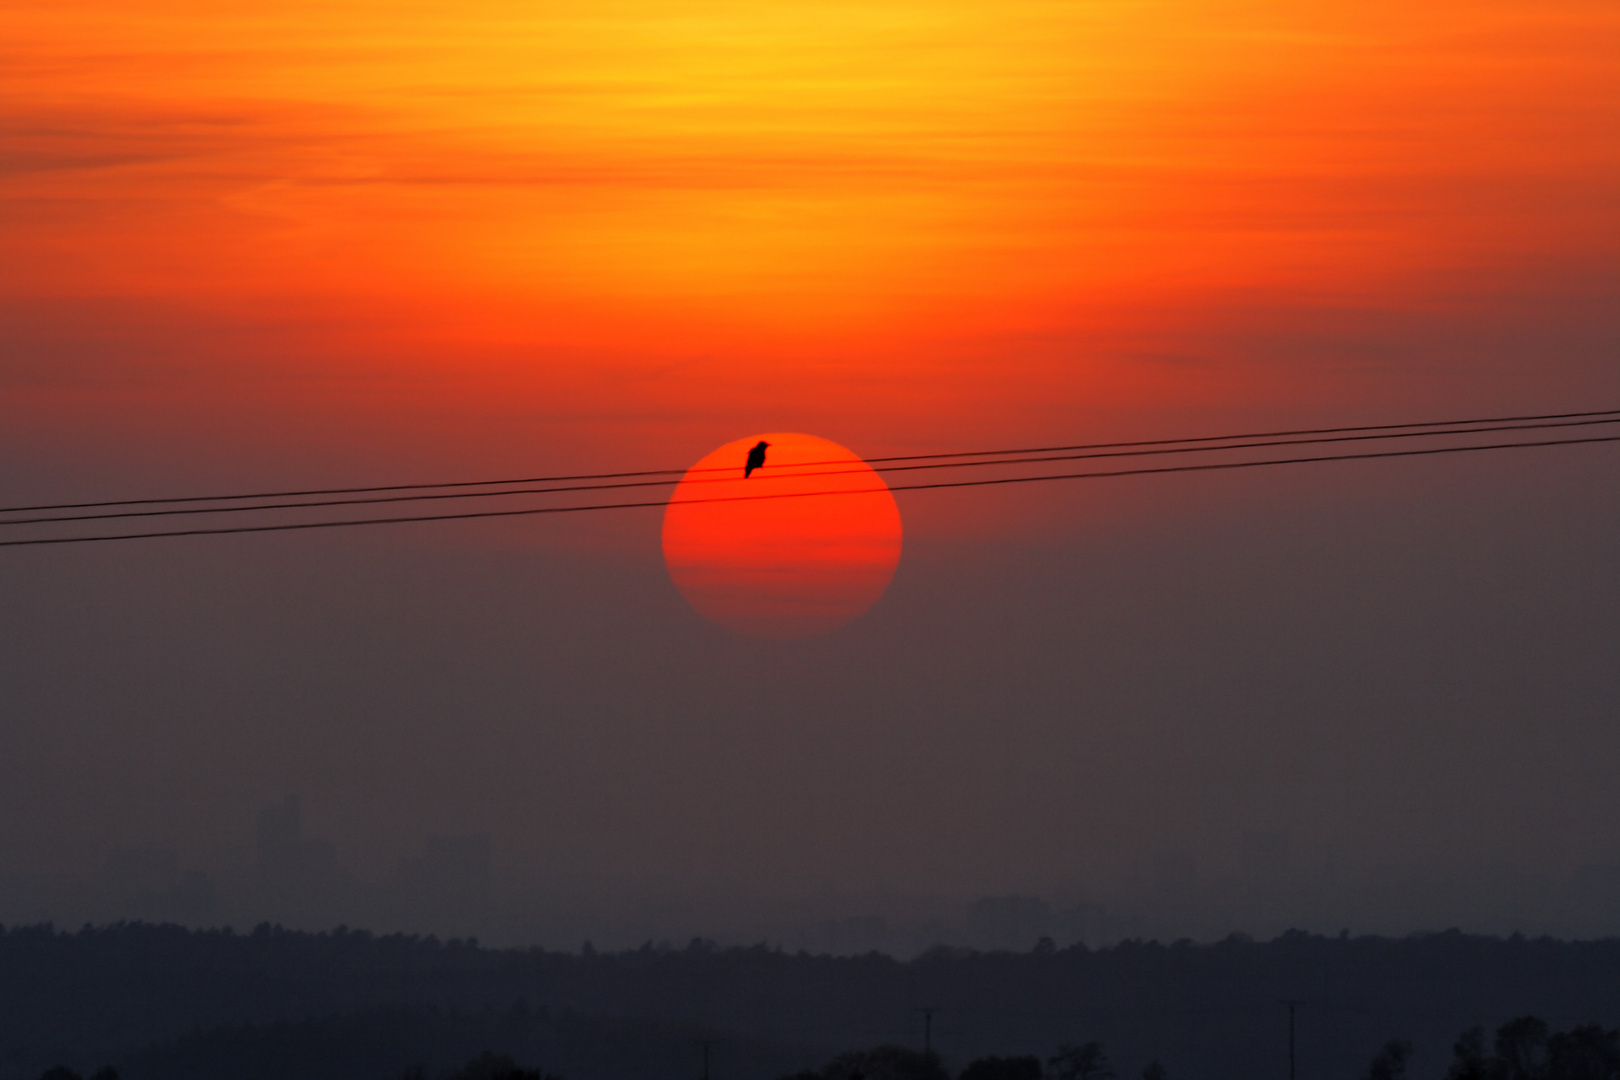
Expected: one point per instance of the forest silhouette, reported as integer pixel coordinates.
(1523, 1049)
(143, 1002)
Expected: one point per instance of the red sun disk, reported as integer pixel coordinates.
(782, 567)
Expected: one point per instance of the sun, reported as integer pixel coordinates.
(806, 543)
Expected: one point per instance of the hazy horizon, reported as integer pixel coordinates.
(1285, 716)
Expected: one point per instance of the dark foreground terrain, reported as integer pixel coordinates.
(164, 1003)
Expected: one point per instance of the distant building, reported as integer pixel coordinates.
(298, 877)
(147, 885)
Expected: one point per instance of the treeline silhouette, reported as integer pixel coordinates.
(1523, 1049)
(485, 1066)
(166, 1003)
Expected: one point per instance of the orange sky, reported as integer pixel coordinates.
(295, 244)
(913, 219)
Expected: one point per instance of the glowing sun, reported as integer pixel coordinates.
(794, 563)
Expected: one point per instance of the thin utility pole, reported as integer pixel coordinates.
(928, 1012)
(1292, 1003)
(705, 1061)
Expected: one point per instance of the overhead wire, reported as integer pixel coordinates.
(1205, 445)
(933, 485)
(1267, 434)
(309, 492)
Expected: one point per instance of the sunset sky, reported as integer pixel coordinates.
(248, 244)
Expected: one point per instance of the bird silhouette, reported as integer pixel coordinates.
(756, 458)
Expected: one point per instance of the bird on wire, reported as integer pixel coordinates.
(1379, 434)
(756, 458)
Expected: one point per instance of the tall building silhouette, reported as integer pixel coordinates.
(297, 874)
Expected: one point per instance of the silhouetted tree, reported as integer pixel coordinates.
(1153, 1071)
(1084, 1062)
(886, 1063)
(1524, 1049)
(1003, 1068)
(487, 1066)
(61, 1072)
(1468, 1056)
(1521, 1050)
(1584, 1053)
(1390, 1062)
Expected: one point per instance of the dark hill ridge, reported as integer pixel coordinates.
(1208, 1012)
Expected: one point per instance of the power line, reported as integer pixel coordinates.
(309, 492)
(1265, 435)
(766, 476)
(935, 485)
